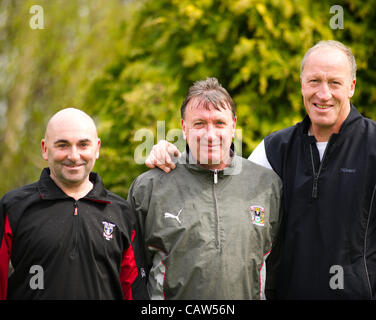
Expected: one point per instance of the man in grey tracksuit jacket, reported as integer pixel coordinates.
(208, 225)
(207, 232)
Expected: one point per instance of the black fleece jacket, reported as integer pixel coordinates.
(329, 227)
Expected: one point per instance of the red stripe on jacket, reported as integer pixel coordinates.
(128, 271)
(5, 250)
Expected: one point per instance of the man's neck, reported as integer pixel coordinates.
(223, 163)
(75, 191)
(214, 166)
(321, 135)
(217, 166)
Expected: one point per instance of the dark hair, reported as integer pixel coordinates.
(208, 93)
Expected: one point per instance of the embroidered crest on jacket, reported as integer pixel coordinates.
(257, 215)
(108, 229)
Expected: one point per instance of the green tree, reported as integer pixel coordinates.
(130, 64)
(44, 70)
(254, 48)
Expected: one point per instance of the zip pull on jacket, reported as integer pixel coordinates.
(75, 208)
(316, 175)
(215, 176)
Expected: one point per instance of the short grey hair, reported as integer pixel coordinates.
(332, 44)
(208, 93)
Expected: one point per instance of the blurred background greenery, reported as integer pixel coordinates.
(129, 64)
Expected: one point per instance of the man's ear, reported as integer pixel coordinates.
(44, 149)
(98, 147)
(183, 128)
(352, 88)
(234, 126)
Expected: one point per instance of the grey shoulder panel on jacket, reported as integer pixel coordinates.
(146, 180)
(259, 171)
(151, 174)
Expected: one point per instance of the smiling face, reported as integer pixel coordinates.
(327, 87)
(209, 133)
(71, 147)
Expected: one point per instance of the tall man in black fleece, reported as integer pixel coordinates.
(66, 236)
(327, 164)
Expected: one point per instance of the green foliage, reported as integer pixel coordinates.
(130, 64)
(44, 70)
(254, 48)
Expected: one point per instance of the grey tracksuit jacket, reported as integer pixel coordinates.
(207, 232)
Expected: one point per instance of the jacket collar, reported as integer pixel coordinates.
(353, 116)
(233, 168)
(50, 191)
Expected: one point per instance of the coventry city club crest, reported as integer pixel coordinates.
(108, 229)
(257, 215)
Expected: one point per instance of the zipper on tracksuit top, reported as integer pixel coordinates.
(316, 175)
(216, 213)
(75, 230)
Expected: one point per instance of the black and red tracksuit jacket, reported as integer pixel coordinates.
(61, 248)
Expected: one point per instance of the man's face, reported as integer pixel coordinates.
(71, 148)
(209, 134)
(327, 88)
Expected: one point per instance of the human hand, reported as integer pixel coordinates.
(161, 156)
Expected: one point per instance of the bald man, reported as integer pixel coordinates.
(71, 149)
(66, 236)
